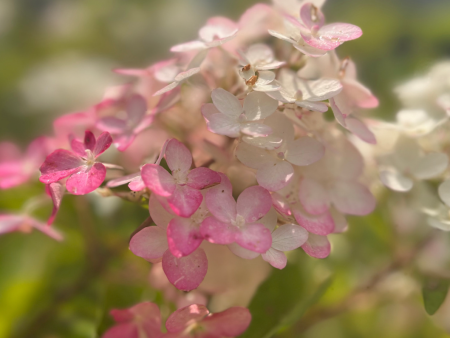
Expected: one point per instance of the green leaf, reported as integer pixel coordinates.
(434, 292)
(299, 310)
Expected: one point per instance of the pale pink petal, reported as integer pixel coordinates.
(224, 184)
(270, 219)
(46, 229)
(340, 222)
(242, 252)
(254, 237)
(281, 204)
(224, 125)
(221, 204)
(185, 273)
(253, 157)
(281, 36)
(123, 180)
(255, 129)
(360, 95)
(137, 184)
(56, 191)
(188, 46)
(306, 49)
(122, 142)
(129, 330)
(275, 258)
(317, 246)
(275, 176)
(313, 196)
(306, 12)
(304, 151)
(289, 237)
(339, 116)
(12, 174)
(360, 129)
(110, 124)
(9, 152)
(208, 110)
(313, 106)
(158, 180)
(59, 164)
(150, 243)
(226, 102)
(186, 74)
(103, 142)
(269, 142)
(185, 200)
(340, 31)
(178, 157)
(352, 198)
(229, 323)
(183, 236)
(317, 224)
(160, 215)
(253, 203)
(217, 232)
(201, 178)
(186, 316)
(86, 180)
(136, 107)
(318, 90)
(167, 100)
(166, 89)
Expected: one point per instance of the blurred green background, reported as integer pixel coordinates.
(56, 56)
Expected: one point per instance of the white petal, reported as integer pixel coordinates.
(444, 192)
(275, 176)
(430, 165)
(187, 46)
(275, 258)
(242, 252)
(319, 90)
(226, 102)
(256, 129)
(281, 36)
(258, 106)
(269, 142)
(188, 73)
(395, 181)
(252, 156)
(224, 125)
(265, 77)
(313, 106)
(360, 129)
(289, 237)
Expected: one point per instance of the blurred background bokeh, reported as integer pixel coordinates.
(56, 57)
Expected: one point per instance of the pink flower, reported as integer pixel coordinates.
(216, 32)
(196, 321)
(24, 223)
(141, 320)
(125, 130)
(151, 243)
(182, 187)
(85, 174)
(15, 168)
(274, 156)
(226, 115)
(238, 221)
(56, 192)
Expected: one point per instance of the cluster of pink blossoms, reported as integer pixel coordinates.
(228, 142)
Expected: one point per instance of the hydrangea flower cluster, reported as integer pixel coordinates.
(230, 144)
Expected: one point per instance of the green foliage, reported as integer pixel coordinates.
(434, 291)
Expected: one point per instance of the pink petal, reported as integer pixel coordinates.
(275, 176)
(289, 237)
(122, 142)
(77, 146)
(185, 273)
(352, 198)
(158, 180)
(137, 185)
(160, 215)
(186, 316)
(217, 232)
(9, 152)
(12, 174)
(317, 246)
(129, 330)
(360, 129)
(208, 110)
(224, 184)
(229, 323)
(183, 236)
(178, 157)
(338, 115)
(275, 258)
(150, 243)
(221, 204)
(253, 203)
(123, 180)
(167, 100)
(9, 223)
(313, 196)
(313, 106)
(86, 180)
(255, 237)
(56, 191)
(340, 31)
(59, 164)
(188, 46)
(46, 229)
(242, 252)
(317, 224)
(185, 200)
(304, 151)
(89, 140)
(360, 95)
(103, 142)
(201, 178)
